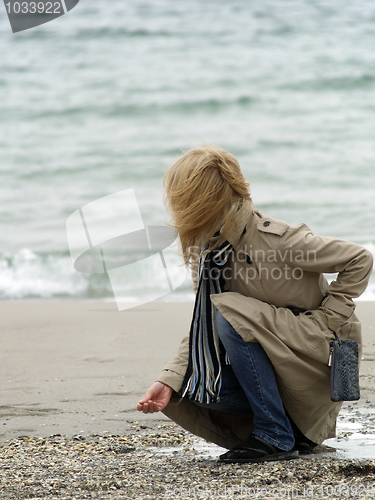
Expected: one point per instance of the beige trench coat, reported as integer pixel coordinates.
(274, 266)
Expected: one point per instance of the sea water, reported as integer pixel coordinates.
(106, 97)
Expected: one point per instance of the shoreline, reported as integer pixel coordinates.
(80, 367)
(177, 299)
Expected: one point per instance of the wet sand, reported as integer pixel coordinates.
(80, 367)
(72, 373)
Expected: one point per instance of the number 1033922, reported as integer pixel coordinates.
(34, 7)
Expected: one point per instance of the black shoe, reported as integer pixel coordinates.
(303, 445)
(256, 449)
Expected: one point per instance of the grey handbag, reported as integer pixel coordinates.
(343, 361)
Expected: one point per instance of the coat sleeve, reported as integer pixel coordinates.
(174, 372)
(320, 254)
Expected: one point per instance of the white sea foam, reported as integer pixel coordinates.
(27, 275)
(30, 275)
(33, 275)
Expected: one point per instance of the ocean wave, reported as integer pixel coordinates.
(31, 275)
(348, 82)
(27, 275)
(207, 105)
(119, 32)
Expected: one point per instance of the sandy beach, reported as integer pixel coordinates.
(81, 367)
(72, 373)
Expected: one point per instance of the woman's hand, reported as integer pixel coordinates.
(156, 398)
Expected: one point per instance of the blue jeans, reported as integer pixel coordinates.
(249, 387)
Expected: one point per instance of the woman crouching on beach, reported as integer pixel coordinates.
(252, 375)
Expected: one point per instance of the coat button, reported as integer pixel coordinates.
(248, 260)
(267, 223)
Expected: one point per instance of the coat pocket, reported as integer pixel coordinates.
(319, 318)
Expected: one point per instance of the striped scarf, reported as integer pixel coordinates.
(202, 381)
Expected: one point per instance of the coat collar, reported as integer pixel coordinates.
(243, 218)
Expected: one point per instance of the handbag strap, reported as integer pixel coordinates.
(338, 339)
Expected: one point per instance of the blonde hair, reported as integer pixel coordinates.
(202, 190)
